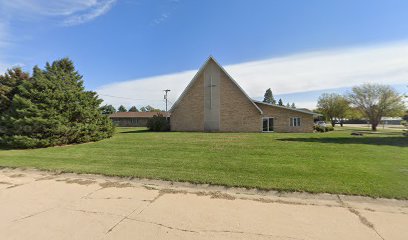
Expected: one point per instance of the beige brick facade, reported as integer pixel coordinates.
(281, 118)
(189, 114)
(238, 113)
(229, 105)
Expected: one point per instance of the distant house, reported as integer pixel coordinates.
(214, 102)
(391, 120)
(131, 119)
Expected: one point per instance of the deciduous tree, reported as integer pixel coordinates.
(375, 101)
(333, 106)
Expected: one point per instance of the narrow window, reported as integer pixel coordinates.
(294, 122)
(267, 124)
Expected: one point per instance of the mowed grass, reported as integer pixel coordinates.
(373, 165)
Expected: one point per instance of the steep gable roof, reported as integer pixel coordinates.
(211, 58)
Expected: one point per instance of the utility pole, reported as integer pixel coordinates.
(165, 97)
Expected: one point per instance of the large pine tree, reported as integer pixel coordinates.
(122, 109)
(268, 97)
(53, 108)
(133, 109)
(8, 86)
(107, 109)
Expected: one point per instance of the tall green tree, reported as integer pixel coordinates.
(133, 109)
(268, 97)
(287, 105)
(333, 106)
(8, 86)
(149, 108)
(122, 109)
(375, 101)
(53, 108)
(293, 105)
(108, 109)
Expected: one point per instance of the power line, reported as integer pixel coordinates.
(170, 102)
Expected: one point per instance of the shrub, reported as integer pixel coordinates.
(405, 131)
(158, 123)
(318, 128)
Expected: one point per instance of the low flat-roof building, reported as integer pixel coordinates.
(132, 119)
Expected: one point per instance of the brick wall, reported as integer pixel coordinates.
(238, 113)
(282, 119)
(189, 114)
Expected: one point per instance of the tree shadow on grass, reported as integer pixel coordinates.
(136, 131)
(380, 141)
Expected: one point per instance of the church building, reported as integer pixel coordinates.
(214, 102)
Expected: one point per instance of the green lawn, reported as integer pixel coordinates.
(336, 162)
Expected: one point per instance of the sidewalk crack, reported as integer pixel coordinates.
(362, 219)
(34, 214)
(212, 231)
(127, 216)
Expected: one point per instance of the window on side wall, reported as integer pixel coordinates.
(295, 122)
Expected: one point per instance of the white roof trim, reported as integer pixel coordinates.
(196, 76)
(288, 108)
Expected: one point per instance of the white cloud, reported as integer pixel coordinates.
(99, 9)
(387, 64)
(70, 12)
(64, 12)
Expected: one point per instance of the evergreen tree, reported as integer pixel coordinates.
(268, 97)
(122, 109)
(293, 105)
(107, 109)
(280, 102)
(287, 105)
(53, 108)
(8, 86)
(133, 109)
(149, 108)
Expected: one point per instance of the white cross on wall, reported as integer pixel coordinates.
(211, 87)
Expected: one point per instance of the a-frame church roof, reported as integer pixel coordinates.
(211, 58)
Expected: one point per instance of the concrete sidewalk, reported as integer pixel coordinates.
(41, 205)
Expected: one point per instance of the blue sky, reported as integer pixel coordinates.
(121, 45)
